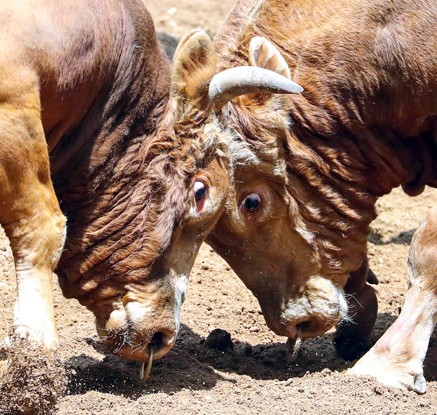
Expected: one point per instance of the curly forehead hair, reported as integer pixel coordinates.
(257, 136)
(201, 139)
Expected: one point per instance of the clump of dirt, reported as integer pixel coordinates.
(219, 339)
(32, 382)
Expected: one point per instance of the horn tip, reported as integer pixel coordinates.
(296, 88)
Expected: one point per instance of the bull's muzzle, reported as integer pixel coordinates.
(131, 331)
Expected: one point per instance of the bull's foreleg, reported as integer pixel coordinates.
(397, 357)
(31, 217)
(352, 338)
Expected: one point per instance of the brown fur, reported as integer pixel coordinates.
(365, 123)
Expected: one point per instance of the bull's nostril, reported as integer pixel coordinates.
(304, 326)
(160, 341)
(157, 341)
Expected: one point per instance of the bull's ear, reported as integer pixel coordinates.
(194, 65)
(264, 54)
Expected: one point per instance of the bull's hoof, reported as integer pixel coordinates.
(31, 381)
(392, 375)
(350, 347)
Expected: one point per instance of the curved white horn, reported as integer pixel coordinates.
(247, 80)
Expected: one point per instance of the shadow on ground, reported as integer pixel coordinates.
(402, 238)
(191, 364)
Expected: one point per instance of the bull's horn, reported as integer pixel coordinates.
(242, 80)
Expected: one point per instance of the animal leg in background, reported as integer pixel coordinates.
(352, 338)
(29, 212)
(397, 357)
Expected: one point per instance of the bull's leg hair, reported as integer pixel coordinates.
(29, 212)
(397, 357)
(352, 338)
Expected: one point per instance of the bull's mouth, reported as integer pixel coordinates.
(318, 307)
(303, 331)
(129, 344)
(314, 328)
(140, 352)
(309, 328)
(144, 356)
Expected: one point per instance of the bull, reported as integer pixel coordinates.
(106, 175)
(309, 168)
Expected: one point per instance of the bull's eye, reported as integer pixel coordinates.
(200, 190)
(252, 202)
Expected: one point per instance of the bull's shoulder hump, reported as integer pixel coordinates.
(53, 34)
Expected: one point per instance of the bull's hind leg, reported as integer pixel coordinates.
(397, 357)
(29, 212)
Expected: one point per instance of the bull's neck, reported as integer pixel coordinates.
(337, 171)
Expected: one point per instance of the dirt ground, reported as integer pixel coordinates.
(254, 376)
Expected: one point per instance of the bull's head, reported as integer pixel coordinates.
(286, 245)
(129, 252)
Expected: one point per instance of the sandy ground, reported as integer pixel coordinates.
(254, 376)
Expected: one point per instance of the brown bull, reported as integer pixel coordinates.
(309, 168)
(86, 103)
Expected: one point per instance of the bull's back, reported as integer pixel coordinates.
(349, 48)
(66, 50)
